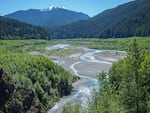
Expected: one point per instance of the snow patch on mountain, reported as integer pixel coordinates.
(52, 7)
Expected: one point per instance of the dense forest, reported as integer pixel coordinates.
(126, 20)
(35, 77)
(13, 29)
(124, 89)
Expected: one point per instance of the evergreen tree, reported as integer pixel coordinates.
(126, 88)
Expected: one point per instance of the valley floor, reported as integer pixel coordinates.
(83, 62)
(76, 57)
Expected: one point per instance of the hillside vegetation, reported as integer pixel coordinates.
(36, 82)
(126, 20)
(30, 76)
(13, 29)
(124, 89)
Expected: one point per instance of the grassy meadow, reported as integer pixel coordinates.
(94, 43)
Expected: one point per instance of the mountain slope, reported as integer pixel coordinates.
(12, 29)
(116, 22)
(52, 16)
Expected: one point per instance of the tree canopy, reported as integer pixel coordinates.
(126, 20)
(126, 88)
(13, 29)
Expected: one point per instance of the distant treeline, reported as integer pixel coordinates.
(127, 20)
(12, 29)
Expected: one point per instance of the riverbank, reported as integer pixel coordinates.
(85, 63)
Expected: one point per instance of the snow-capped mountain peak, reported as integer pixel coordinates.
(52, 7)
(63, 7)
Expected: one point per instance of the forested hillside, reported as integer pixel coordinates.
(124, 89)
(34, 83)
(12, 29)
(130, 19)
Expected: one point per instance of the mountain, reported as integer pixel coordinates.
(49, 17)
(12, 29)
(130, 19)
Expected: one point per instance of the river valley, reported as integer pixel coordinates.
(85, 63)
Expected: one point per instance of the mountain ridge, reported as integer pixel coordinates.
(49, 17)
(107, 23)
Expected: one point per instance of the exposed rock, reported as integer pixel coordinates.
(6, 88)
(15, 106)
(15, 99)
(1, 73)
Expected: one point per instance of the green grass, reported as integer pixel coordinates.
(39, 45)
(112, 44)
(25, 45)
(59, 52)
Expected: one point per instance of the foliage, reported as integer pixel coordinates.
(61, 52)
(126, 88)
(16, 99)
(24, 45)
(12, 29)
(107, 44)
(72, 108)
(46, 79)
(39, 74)
(39, 45)
(127, 20)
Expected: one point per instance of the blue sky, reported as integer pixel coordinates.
(90, 7)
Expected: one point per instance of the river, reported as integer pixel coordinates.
(84, 87)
